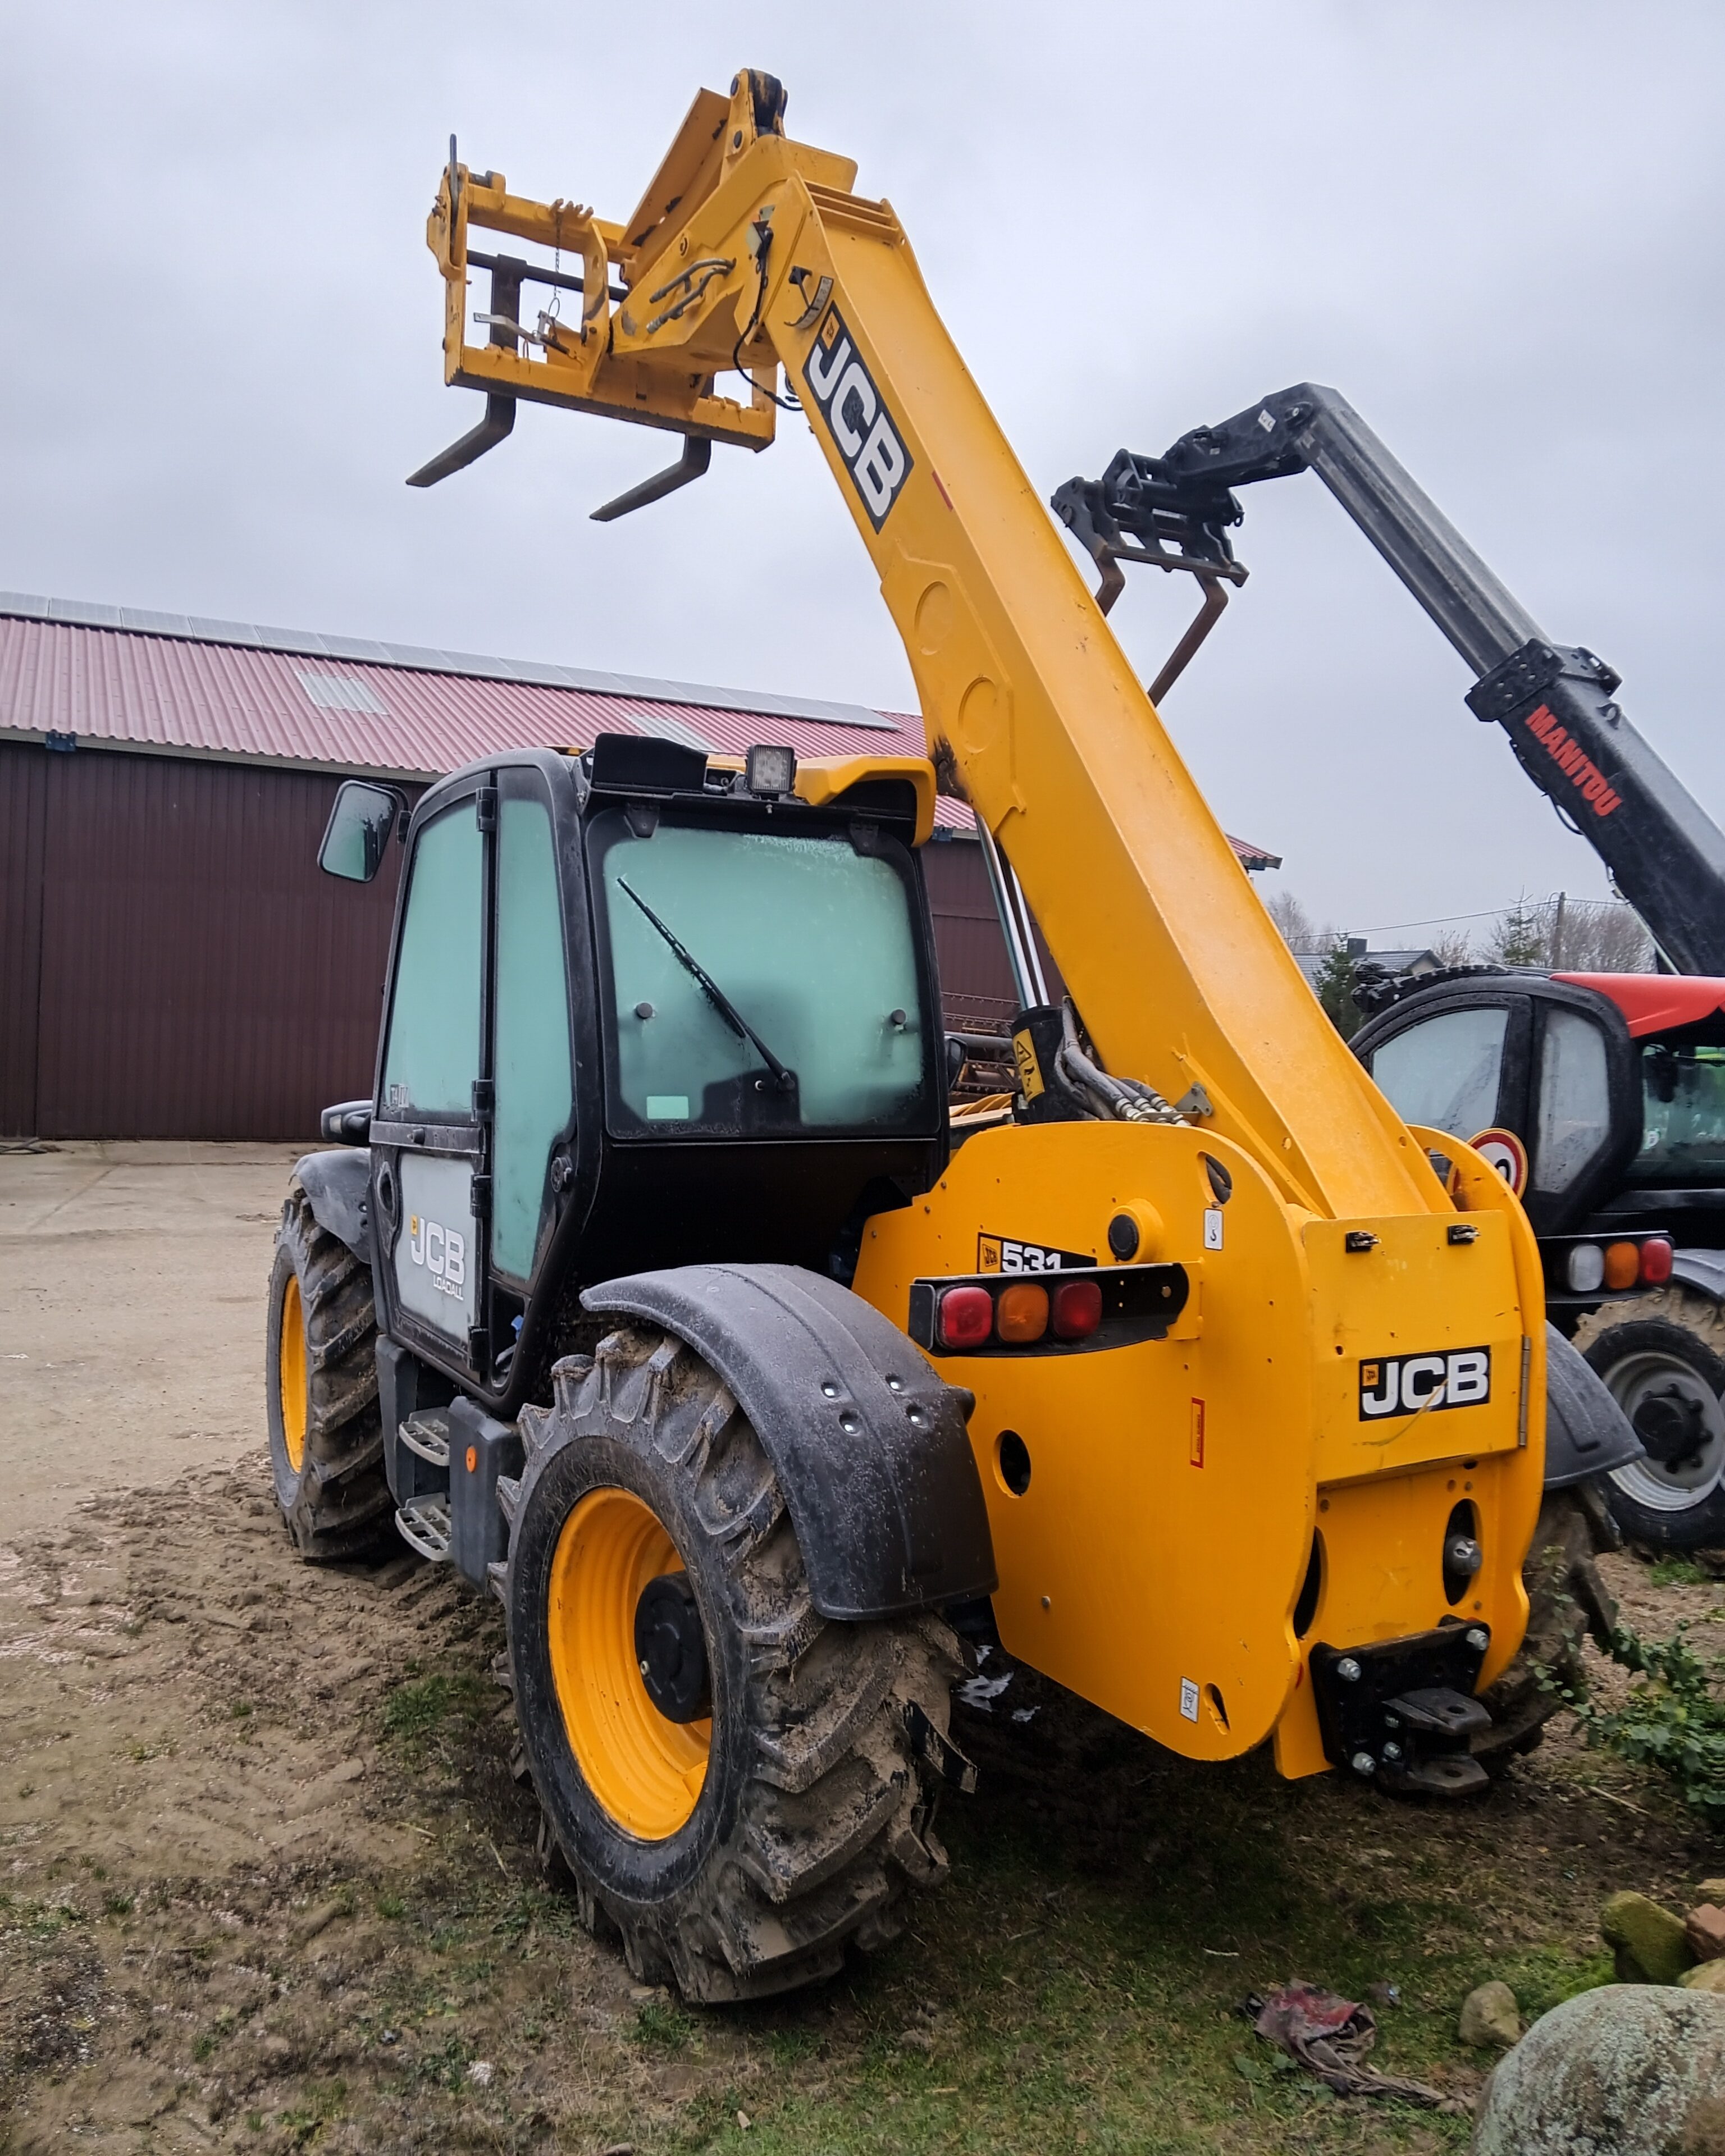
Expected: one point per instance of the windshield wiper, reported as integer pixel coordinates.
(728, 1010)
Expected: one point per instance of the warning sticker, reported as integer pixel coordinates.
(1188, 1698)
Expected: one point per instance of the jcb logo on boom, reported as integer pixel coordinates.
(842, 390)
(1409, 1384)
(442, 1251)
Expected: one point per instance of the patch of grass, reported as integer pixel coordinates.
(1544, 1976)
(116, 1905)
(240, 1710)
(1677, 1572)
(322, 2102)
(391, 1907)
(415, 1712)
(664, 2026)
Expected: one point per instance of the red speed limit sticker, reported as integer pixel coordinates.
(1506, 1153)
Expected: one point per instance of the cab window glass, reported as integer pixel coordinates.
(812, 943)
(432, 1057)
(534, 1087)
(1445, 1073)
(1574, 1099)
(1682, 1114)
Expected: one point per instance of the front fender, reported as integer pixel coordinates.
(868, 1443)
(338, 1188)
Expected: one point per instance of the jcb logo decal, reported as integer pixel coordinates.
(842, 390)
(1409, 1384)
(1002, 1253)
(442, 1253)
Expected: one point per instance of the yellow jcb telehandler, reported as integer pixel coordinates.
(651, 1290)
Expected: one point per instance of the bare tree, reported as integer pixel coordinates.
(1454, 949)
(1597, 936)
(1299, 931)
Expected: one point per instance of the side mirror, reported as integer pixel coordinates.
(359, 828)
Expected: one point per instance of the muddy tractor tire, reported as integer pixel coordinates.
(740, 1788)
(1566, 1599)
(321, 1381)
(1663, 1357)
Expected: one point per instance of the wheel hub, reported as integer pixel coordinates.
(1670, 1426)
(1679, 1420)
(670, 1648)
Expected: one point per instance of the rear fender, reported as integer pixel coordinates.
(1586, 1432)
(869, 1445)
(338, 1188)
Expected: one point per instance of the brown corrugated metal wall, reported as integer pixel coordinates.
(976, 980)
(172, 964)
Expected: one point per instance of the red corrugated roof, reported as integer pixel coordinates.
(240, 693)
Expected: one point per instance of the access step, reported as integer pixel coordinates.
(427, 1435)
(424, 1524)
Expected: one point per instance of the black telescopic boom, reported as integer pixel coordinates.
(1556, 702)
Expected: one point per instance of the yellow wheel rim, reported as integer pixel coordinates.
(290, 1374)
(645, 1771)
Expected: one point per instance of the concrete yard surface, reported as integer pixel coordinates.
(132, 1280)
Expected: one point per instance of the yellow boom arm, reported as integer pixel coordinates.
(749, 250)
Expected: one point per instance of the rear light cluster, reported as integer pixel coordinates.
(1591, 1267)
(967, 1317)
(1064, 1312)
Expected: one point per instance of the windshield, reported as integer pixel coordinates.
(1683, 1114)
(758, 983)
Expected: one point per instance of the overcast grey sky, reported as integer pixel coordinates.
(1493, 224)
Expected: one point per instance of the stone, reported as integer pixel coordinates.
(1490, 2016)
(1711, 1890)
(1629, 2069)
(1705, 1976)
(1706, 1930)
(1651, 1945)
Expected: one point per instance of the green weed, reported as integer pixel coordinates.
(1673, 1721)
(1677, 1572)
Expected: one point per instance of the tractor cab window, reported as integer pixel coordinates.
(1574, 1117)
(1682, 1114)
(535, 1085)
(433, 1052)
(757, 982)
(1446, 1072)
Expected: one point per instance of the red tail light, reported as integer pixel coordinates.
(1077, 1310)
(967, 1316)
(1655, 1260)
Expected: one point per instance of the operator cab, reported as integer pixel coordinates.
(645, 1008)
(1610, 1089)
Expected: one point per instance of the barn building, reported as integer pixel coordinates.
(172, 964)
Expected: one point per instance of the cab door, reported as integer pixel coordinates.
(1549, 1062)
(430, 1132)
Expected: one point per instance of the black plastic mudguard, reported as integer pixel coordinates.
(868, 1444)
(338, 1186)
(1586, 1432)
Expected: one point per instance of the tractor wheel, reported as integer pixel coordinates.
(1663, 1357)
(1566, 1600)
(735, 1781)
(321, 1377)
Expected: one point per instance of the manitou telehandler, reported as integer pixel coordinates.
(651, 1290)
(1600, 1095)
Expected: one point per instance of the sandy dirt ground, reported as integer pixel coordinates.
(131, 1279)
(268, 1882)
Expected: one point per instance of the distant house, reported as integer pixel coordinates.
(1416, 963)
